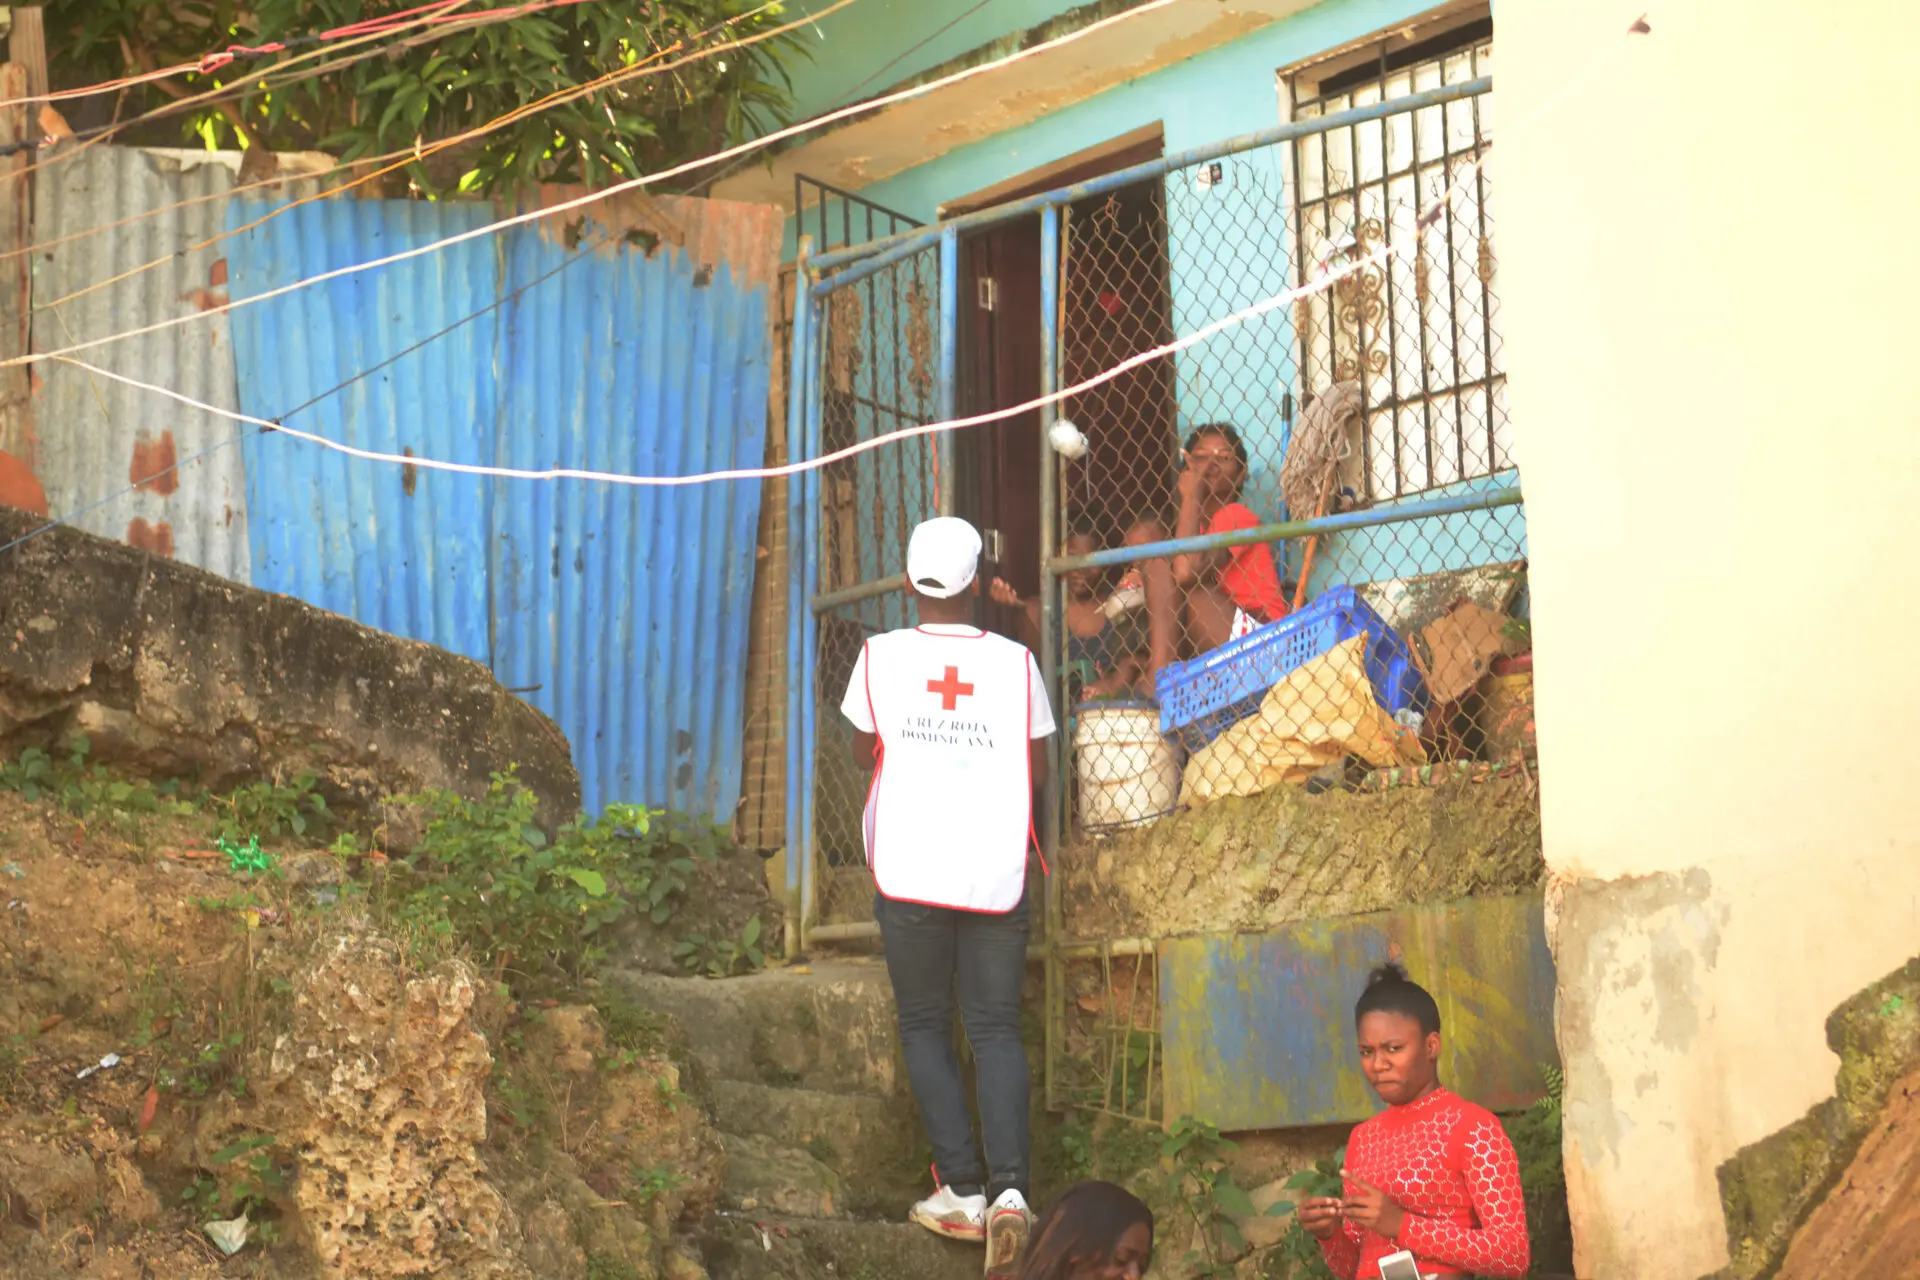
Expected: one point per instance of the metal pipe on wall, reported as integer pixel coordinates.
(1050, 792)
(1505, 495)
(1372, 517)
(949, 386)
(869, 931)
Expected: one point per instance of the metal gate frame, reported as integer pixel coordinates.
(817, 278)
(806, 603)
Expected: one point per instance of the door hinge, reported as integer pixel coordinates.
(993, 545)
(987, 292)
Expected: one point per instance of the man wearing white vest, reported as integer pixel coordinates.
(952, 720)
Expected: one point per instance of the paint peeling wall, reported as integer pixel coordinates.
(1256, 1029)
(1723, 603)
(95, 436)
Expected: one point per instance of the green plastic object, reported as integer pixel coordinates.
(246, 857)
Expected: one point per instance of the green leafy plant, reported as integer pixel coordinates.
(1201, 1183)
(254, 1179)
(648, 1183)
(1298, 1256)
(32, 775)
(84, 788)
(1076, 1150)
(203, 1194)
(275, 810)
(485, 874)
(406, 92)
(722, 957)
(1543, 1181)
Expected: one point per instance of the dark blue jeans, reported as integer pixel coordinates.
(936, 956)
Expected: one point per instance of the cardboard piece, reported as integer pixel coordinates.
(1456, 649)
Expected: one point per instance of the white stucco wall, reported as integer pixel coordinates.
(1712, 305)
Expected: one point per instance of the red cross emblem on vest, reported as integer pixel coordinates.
(950, 689)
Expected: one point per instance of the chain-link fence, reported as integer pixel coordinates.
(1226, 670)
(1382, 649)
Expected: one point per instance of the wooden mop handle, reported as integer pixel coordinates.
(1306, 561)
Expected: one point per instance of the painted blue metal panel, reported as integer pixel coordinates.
(628, 608)
(1258, 1028)
(621, 612)
(400, 550)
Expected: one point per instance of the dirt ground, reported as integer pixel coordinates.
(116, 939)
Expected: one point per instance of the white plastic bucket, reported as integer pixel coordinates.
(1127, 772)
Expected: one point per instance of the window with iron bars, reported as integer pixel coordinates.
(1418, 333)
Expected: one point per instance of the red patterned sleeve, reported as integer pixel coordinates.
(1498, 1246)
(1342, 1251)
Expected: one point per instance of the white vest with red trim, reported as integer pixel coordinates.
(949, 817)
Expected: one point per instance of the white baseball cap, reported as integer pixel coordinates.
(942, 557)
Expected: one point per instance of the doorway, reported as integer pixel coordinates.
(1129, 421)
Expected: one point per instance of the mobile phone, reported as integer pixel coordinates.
(1399, 1266)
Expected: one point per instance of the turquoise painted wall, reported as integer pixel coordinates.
(1241, 374)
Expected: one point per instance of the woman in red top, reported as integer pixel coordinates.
(1433, 1174)
(1228, 592)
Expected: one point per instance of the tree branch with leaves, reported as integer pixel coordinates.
(431, 87)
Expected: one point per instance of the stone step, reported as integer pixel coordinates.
(766, 1176)
(873, 1144)
(749, 1246)
(830, 1029)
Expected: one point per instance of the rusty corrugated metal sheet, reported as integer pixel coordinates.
(622, 613)
(94, 436)
(1258, 1028)
(18, 487)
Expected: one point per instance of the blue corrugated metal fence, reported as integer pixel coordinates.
(621, 612)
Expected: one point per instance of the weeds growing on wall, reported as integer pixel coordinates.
(84, 788)
(485, 876)
(271, 810)
(721, 956)
(483, 879)
(1200, 1182)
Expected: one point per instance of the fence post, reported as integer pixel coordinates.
(799, 616)
(1055, 788)
(948, 391)
(810, 587)
(16, 272)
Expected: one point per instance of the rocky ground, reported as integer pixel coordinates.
(374, 1104)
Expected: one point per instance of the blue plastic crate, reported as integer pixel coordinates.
(1201, 699)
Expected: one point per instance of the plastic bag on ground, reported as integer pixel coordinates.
(1321, 712)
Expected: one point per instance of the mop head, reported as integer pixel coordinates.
(1328, 435)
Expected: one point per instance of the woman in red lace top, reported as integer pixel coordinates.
(1432, 1174)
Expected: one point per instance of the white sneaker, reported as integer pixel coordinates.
(952, 1216)
(1009, 1223)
